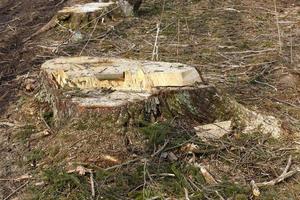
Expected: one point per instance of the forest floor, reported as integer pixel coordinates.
(249, 49)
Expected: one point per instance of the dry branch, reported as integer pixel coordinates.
(15, 191)
(285, 174)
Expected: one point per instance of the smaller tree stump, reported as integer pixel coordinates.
(82, 15)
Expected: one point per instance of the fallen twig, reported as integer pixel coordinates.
(206, 174)
(285, 174)
(15, 191)
(92, 183)
(186, 194)
(123, 164)
(278, 27)
(160, 149)
(249, 51)
(267, 84)
(21, 178)
(46, 124)
(255, 189)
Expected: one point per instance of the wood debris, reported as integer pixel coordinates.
(206, 174)
(285, 175)
(214, 130)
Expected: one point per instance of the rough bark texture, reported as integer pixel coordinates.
(109, 135)
(189, 103)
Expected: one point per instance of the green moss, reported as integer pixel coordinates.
(241, 197)
(53, 150)
(185, 99)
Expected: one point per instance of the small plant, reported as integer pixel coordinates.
(61, 185)
(48, 117)
(25, 132)
(156, 133)
(35, 156)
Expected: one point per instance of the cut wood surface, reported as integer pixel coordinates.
(119, 74)
(85, 8)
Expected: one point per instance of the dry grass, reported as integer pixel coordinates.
(235, 44)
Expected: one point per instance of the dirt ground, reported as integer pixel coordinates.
(235, 44)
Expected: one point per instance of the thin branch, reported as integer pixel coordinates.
(160, 149)
(15, 191)
(92, 183)
(278, 27)
(285, 174)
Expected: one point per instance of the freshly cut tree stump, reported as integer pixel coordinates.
(101, 102)
(82, 15)
(119, 92)
(119, 74)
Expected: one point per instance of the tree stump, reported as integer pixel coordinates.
(85, 15)
(121, 91)
(81, 15)
(111, 97)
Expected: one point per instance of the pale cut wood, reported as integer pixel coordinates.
(119, 74)
(214, 130)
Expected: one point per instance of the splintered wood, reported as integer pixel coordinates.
(119, 74)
